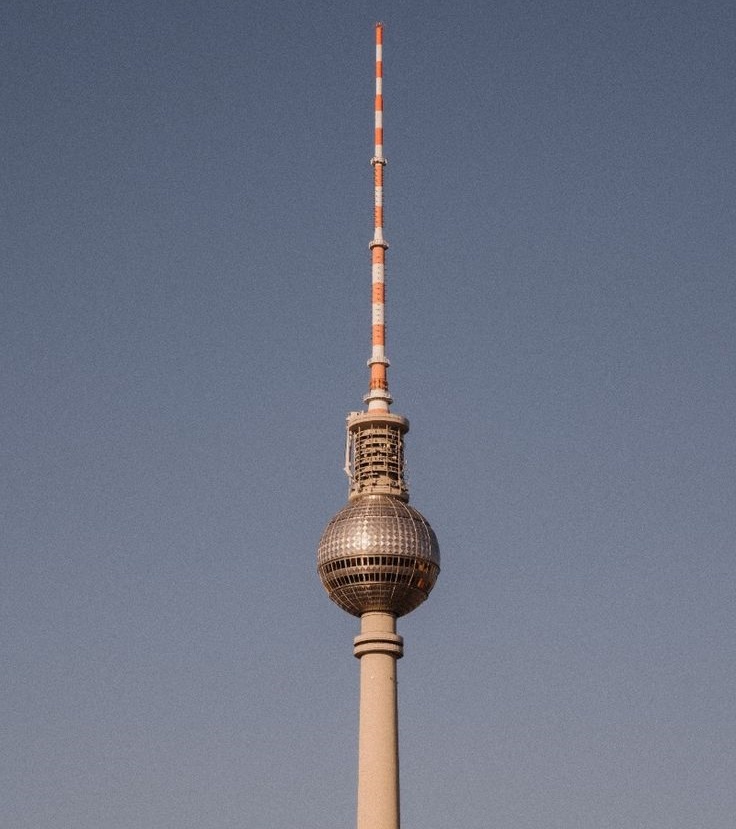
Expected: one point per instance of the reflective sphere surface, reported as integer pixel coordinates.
(378, 554)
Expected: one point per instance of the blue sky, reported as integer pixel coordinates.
(186, 211)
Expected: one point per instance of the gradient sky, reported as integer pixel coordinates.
(186, 211)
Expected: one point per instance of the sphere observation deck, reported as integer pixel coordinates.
(378, 554)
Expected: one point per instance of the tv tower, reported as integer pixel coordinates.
(378, 558)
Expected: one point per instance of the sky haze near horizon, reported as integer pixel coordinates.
(185, 324)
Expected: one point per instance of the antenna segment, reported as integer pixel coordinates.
(378, 398)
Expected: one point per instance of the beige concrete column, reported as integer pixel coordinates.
(378, 647)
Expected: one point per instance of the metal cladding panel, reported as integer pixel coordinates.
(378, 554)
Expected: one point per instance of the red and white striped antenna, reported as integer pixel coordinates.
(378, 398)
(374, 447)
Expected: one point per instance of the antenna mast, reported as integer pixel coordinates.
(378, 558)
(378, 398)
(375, 439)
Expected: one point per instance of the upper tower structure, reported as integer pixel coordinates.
(378, 558)
(378, 553)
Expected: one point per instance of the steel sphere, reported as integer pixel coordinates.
(378, 554)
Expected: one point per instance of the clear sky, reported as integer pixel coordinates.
(186, 210)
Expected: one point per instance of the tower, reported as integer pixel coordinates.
(378, 558)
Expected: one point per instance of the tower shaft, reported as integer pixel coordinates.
(378, 647)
